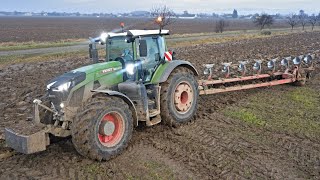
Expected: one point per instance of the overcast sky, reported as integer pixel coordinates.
(194, 6)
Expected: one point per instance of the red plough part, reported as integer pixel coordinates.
(300, 69)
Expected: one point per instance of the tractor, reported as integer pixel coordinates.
(99, 105)
(138, 81)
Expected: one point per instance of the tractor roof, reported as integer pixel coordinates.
(133, 33)
(140, 33)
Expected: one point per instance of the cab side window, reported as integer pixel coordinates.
(150, 60)
(153, 49)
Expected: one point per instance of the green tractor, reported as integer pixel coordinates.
(99, 105)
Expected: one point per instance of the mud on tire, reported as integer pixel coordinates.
(86, 128)
(181, 79)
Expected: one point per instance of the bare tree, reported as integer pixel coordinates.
(163, 15)
(292, 20)
(263, 20)
(313, 20)
(220, 25)
(303, 19)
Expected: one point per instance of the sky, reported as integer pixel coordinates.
(193, 6)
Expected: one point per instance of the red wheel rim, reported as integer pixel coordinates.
(111, 129)
(183, 97)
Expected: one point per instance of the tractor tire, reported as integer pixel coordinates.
(46, 117)
(179, 97)
(302, 75)
(102, 127)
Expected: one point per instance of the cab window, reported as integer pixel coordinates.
(119, 47)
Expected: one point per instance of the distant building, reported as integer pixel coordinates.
(140, 14)
(27, 14)
(186, 15)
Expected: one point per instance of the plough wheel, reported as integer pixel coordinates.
(302, 78)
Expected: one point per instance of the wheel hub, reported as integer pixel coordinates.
(107, 128)
(183, 97)
(111, 129)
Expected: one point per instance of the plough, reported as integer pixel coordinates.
(289, 70)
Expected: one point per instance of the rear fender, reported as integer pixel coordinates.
(125, 98)
(164, 70)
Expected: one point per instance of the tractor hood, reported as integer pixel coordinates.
(72, 78)
(66, 81)
(93, 68)
(63, 87)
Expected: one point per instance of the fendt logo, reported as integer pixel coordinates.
(110, 70)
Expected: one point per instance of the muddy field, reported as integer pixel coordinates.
(20, 29)
(216, 145)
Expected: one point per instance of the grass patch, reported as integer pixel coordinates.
(13, 59)
(13, 46)
(94, 169)
(215, 38)
(151, 169)
(158, 171)
(304, 96)
(182, 40)
(246, 116)
(295, 111)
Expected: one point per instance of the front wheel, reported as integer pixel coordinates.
(102, 128)
(179, 97)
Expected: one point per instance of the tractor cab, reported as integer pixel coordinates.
(139, 51)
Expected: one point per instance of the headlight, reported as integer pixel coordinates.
(62, 87)
(49, 85)
(130, 68)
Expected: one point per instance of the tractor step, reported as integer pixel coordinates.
(155, 120)
(151, 104)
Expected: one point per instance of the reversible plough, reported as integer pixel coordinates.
(261, 74)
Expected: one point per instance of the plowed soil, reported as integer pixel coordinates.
(20, 29)
(213, 146)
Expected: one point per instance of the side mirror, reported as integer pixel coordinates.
(93, 54)
(90, 53)
(143, 49)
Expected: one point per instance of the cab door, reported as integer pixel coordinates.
(154, 48)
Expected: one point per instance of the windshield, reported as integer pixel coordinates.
(118, 47)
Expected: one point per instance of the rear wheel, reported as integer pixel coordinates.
(102, 128)
(179, 96)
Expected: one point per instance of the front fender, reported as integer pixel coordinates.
(164, 70)
(125, 98)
